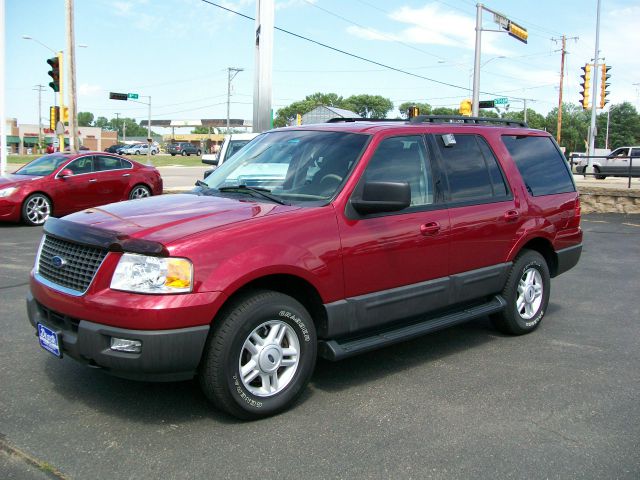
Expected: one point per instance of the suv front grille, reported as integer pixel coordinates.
(75, 264)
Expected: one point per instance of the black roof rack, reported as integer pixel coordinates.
(463, 119)
(360, 119)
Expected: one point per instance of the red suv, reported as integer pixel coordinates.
(328, 240)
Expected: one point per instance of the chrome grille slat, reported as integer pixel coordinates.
(82, 263)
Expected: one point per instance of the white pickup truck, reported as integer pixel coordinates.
(231, 144)
(619, 163)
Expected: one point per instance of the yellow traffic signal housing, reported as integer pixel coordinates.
(586, 85)
(413, 112)
(518, 32)
(465, 107)
(604, 84)
(54, 116)
(65, 114)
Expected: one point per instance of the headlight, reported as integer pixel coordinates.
(5, 192)
(143, 274)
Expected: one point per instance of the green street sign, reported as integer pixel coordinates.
(135, 96)
(501, 101)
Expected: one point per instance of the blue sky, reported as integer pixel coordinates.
(178, 52)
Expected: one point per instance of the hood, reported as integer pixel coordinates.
(167, 218)
(11, 180)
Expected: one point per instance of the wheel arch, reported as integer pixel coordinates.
(294, 286)
(545, 248)
(41, 192)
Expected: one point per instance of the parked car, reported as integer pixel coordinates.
(329, 240)
(230, 146)
(619, 163)
(58, 184)
(183, 148)
(114, 148)
(141, 149)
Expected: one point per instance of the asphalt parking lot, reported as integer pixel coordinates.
(468, 402)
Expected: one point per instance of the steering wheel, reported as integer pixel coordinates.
(330, 177)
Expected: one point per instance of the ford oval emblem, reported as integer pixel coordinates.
(58, 262)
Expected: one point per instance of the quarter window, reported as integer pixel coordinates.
(542, 166)
(472, 170)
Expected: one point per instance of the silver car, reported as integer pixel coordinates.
(617, 164)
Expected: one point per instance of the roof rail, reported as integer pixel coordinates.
(360, 119)
(463, 119)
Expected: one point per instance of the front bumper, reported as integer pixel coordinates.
(167, 355)
(10, 209)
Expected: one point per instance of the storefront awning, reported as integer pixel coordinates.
(30, 140)
(13, 139)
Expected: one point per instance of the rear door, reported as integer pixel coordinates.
(114, 175)
(484, 216)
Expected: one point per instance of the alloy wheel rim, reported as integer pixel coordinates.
(139, 192)
(269, 358)
(530, 290)
(38, 210)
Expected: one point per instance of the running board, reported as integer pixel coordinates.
(339, 349)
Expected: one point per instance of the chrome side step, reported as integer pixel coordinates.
(340, 349)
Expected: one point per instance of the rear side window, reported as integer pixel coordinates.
(541, 165)
(472, 170)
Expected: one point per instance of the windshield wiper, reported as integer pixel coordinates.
(263, 192)
(200, 183)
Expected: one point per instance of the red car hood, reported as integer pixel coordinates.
(167, 218)
(9, 180)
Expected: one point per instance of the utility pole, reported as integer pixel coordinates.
(263, 65)
(562, 60)
(475, 99)
(230, 77)
(596, 59)
(117, 131)
(3, 125)
(71, 65)
(39, 88)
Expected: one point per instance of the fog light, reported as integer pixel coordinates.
(125, 345)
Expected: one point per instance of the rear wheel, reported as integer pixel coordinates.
(526, 293)
(184, 153)
(139, 191)
(36, 209)
(260, 356)
(198, 153)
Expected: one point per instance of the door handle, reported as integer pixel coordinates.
(126, 174)
(93, 180)
(512, 215)
(430, 228)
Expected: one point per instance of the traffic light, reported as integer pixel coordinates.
(54, 73)
(65, 114)
(413, 111)
(517, 32)
(54, 116)
(465, 107)
(604, 84)
(586, 85)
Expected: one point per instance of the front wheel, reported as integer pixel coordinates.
(526, 293)
(597, 174)
(36, 209)
(184, 153)
(260, 356)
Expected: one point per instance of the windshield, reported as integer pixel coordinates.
(296, 166)
(43, 166)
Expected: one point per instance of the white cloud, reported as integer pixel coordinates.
(87, 90)
(432, 25)
(124, 9)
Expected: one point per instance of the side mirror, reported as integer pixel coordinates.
(65, 172)
(211, 161)
(379, 197)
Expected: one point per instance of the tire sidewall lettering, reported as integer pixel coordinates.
(531, 323)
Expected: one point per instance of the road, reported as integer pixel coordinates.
(467, 402)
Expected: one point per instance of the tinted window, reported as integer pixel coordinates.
(403, 159)
(635, 152)
(541, 165)
(43, 165)
(81, 165)
(472, 169)
(108, 163)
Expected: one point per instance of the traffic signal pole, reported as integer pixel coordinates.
(71, 56)
(592, 129)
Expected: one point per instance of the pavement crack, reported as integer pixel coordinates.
(14, 286)
(41, 465)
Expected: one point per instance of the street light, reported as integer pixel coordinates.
(482, 65)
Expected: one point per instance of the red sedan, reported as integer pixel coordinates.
(60, 183)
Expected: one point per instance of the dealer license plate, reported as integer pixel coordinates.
(49, 340)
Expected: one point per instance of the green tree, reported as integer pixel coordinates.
(534, 119)
(444, 111)
(575, 126)
(287, 115)
(102, 122)
(369, 106)
(201, 130)
(85, 119)
(624, 126)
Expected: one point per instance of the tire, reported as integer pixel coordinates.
(229, 351)
(36, 209)
(526, 293)
(137, 152)
(198, 153)
(153, 152)
(139, 191)
(173, 154)
(184, 153)
(596, 172)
